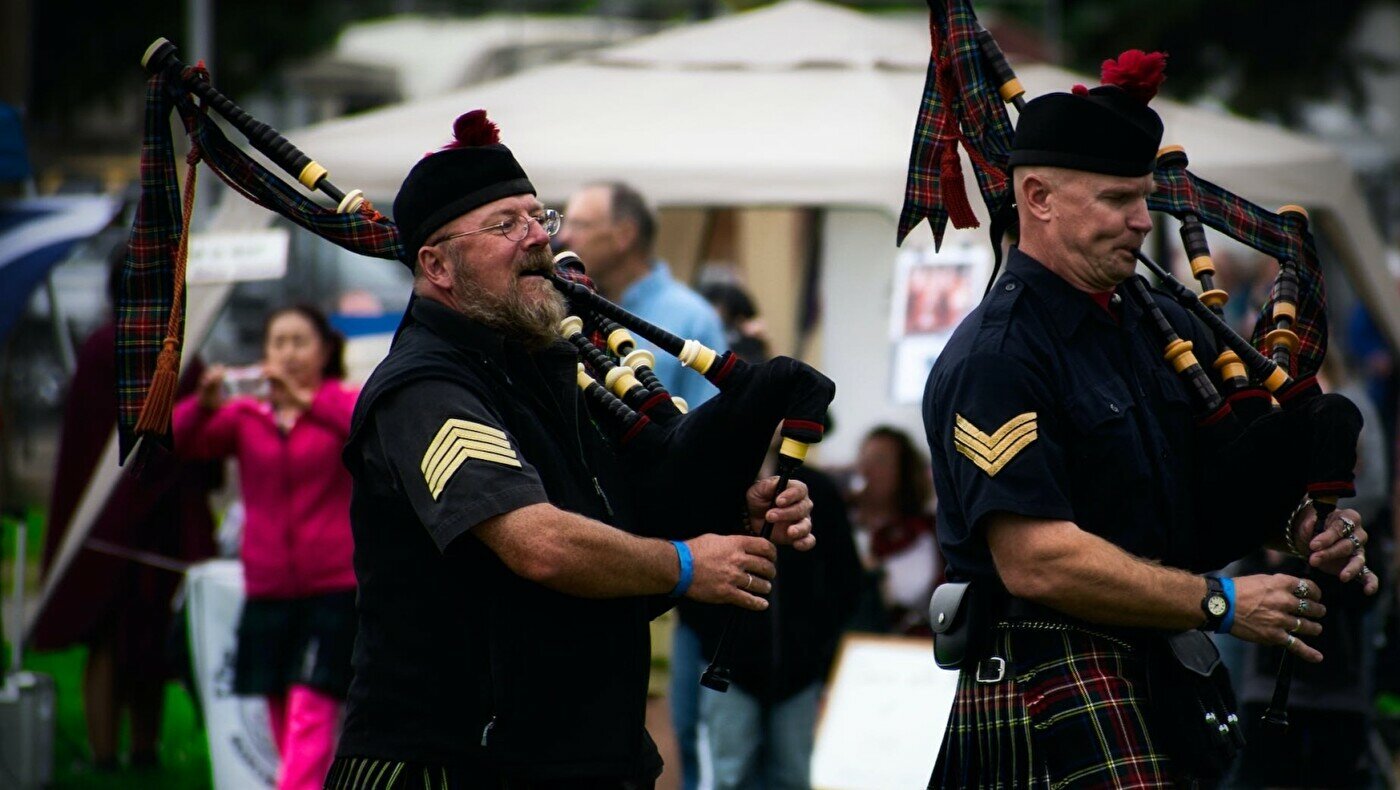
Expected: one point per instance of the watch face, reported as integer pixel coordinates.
(1217, 605)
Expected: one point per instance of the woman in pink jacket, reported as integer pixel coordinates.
(298, 623)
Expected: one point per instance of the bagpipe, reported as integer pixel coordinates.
(968, 85)
(716, 448)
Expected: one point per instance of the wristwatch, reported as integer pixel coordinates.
(1215, 604)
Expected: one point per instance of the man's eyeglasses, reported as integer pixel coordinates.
(515, 228)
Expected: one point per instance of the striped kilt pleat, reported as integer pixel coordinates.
(364, 773)
(1069, 712)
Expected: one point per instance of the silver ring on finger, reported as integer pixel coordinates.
(1302, 589)
(1297, 623)
(1365, 571)
(748, 581)
(1348, 526)
(1289, 642)
(1355, 545)
(1302, 606)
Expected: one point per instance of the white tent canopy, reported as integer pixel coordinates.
(799, 103)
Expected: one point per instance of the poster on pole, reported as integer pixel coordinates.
(933, 293)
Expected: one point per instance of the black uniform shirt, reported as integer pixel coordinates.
(1044, 406)
(459, 661)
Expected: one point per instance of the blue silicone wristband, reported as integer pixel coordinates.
(688, 570)
(1229, 622)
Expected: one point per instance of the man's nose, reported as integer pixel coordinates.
(535, 235)
(1140, 220)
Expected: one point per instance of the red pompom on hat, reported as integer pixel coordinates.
(1139, 74)
(473, 129)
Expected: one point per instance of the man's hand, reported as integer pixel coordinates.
(1269, 611)
(791, 515)
(733, 569)
(1340, 549)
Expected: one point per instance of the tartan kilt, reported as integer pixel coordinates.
(1070, 712)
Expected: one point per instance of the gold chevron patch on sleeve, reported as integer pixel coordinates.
(994, 451)
(458, 440)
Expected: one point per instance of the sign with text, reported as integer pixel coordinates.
(231, 257)
(886, 708)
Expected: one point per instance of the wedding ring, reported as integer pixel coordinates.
(1297, 623)
(748, 580)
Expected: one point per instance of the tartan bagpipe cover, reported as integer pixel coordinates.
(148, 270)
(1283, 236)
(960, 103)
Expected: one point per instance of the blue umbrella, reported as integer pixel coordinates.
(14, 154)
(36, 235)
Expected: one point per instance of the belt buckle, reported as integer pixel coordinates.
(1000, 671)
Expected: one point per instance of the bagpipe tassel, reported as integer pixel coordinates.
(954, 188)
(160, 398)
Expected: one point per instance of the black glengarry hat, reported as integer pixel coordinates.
(1108, 129)
(472, 170)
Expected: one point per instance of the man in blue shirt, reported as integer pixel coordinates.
(612, 230)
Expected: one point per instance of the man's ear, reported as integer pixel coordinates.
(1034, 195)
(434, 267)
(625, 235)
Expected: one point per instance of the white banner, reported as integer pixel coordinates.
(887, 705)
(242, 755)
(223, 257)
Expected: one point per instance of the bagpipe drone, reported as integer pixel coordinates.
(1311, 438)
(717, 447)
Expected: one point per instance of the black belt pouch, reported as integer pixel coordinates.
(950, 614)
(1192, 704)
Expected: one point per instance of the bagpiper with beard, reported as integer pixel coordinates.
(505, 585)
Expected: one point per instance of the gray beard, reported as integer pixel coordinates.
(534, 324)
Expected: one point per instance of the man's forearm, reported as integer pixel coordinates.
(577, 555)
(1056, 564)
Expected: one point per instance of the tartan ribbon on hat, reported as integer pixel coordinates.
(148, 287)
(1283, 236)
(960, 104)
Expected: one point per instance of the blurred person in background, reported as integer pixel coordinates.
(761, 731)
(613, 231)
(1329, 707)
(894, 529)
(297, 627)
(744, 331)
(108, 599)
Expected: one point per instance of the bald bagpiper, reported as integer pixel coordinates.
(1072, 512)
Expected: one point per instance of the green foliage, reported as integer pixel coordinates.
(1261, 58)
(184, 750)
